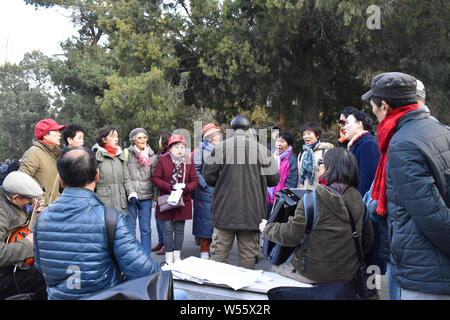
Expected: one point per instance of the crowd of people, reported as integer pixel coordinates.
(396, 186)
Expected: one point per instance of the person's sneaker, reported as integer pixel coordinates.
(161, 251)
(157, 247)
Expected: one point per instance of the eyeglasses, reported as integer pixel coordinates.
(320, 162)
(179, 147)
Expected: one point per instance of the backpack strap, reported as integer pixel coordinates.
(111, 218)
(309, 203)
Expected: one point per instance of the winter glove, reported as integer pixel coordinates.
(136, 203)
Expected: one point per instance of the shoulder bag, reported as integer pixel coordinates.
(162, 200)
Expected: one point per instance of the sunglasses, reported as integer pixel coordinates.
(320, 162)
(342, 122)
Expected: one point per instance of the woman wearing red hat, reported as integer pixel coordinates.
(39, 161)
(172, 168)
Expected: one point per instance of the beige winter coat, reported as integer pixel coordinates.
(39, 162)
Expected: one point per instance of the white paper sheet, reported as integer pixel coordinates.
(175, 196)
(204, 271)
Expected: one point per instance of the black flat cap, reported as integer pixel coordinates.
(395, 85)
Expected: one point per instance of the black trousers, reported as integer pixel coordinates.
(19, 281)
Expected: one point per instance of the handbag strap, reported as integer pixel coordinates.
(355, 233)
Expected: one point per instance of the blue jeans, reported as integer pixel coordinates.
(160, 229)
(145, 217)
(394, 289)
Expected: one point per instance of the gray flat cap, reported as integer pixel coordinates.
(395, 85)
(20, 183)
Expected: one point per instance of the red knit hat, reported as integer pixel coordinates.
(46, 125)
(176, 138)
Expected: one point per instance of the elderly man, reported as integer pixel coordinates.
(71, 248)
(412, 188)
(18, 191)
(39, 161)
(240, 169)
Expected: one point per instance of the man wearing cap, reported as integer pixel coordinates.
(18, 191)
(239, 169)
(412, 188)
(39, 161)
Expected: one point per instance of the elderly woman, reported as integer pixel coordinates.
(73, 135)
(173, 168)
(114, 186)
(328, 254)
(287, 166)
(313, 151)
(364, 146)
(141, 164)
(202, 224)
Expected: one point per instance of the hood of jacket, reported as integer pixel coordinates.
(323, 146)
(102, 154)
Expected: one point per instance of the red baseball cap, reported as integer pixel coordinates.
(176, 138)
(46, 125)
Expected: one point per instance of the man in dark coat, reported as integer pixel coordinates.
(412, 188)
(240, 169)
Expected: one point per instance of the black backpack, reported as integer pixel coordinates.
(286, 201)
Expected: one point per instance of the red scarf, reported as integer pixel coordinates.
(385, 131)
(112, 151)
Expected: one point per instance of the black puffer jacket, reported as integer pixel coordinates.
(418, 201)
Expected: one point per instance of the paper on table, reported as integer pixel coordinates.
(175, 196)
(201, 270)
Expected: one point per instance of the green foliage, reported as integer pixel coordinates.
(164, 64)
(24, 100)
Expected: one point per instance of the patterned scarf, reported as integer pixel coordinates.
(142, 156)
(307, 165)
(177, 172)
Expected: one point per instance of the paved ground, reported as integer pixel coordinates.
(191, 249)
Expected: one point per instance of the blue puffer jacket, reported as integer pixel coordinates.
(202, 222)
(71, 248)
(418, 202)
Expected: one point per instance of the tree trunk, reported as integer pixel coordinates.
(310, 101)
